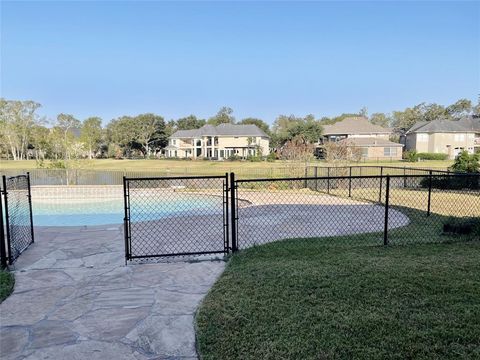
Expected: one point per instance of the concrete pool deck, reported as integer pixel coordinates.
(75, 299)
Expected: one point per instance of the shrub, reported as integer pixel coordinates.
(432, 156)
(468, 226)
(465, 162)
(410, 156)
(452, 182)
(254, 158)
(271, 157)
(233, 157)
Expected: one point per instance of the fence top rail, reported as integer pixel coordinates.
(381, 166)
(450, 175)
(175, 177)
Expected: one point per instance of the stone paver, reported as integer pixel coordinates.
(74, 298)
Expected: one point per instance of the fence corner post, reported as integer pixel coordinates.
(387, 197)
(32, 232)
(233, 212)
(3, 249)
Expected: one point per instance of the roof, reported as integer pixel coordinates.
(470, 123)
(354, 125)
(221, 130)
(369, 141)
(467, 124)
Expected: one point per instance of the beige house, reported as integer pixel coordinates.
(218, 142)
(445, 136)
(357, 132)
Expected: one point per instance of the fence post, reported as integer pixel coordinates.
(30, 207)
(328, 179)
(233, 212)
(316, 175)
(404, 176)
(3, 251)
(305, 183)
(350, 183)
(381, 185)
(226, 219)
(125, 220)
(7, 218)
(429, 192)
(387, 197)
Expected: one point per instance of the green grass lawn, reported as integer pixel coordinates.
(217, 166)
(296, 300)
(6, 284)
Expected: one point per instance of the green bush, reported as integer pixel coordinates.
(452, 182)
(432, 156)
(465, 162)
(272, 157)
(233, 157)
(410, 156)
(468, 226)
(254, 158)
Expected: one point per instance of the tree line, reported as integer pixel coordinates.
(24, 134)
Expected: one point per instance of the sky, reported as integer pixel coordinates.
(262, 59)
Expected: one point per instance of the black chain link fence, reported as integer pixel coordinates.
(17, 214)
(358, 210)
(176, 216)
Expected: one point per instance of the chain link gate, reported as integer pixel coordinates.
(17, 214)
(176, 216)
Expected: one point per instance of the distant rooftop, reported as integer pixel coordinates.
(354, 125)
(466, 124)
(221, 130)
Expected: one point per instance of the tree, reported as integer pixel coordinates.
(380, 119)
(189, 122)
(17, 118)
(223, 116)
(308, 130)
(341, 153)
(433, 112)
(149, 132)
(462, 107)
(258, 122)
(66, 123)
(41, 142)
(297, 150)
(91, 134)
(404, 120)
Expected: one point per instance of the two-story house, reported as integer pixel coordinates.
(219, 142)
(445, 136)
(357, 132)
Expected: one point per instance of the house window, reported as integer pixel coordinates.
(222, 153)
(390, 151)
(174, 142)
(459, 137)
(422, 137)
(364, 152)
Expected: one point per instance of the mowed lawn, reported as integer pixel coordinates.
(205, 167)
(296, 300)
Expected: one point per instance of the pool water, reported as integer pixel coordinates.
(111, 211)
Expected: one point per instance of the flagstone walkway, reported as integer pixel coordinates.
(74, 298)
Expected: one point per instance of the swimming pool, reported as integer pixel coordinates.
(80, 212)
